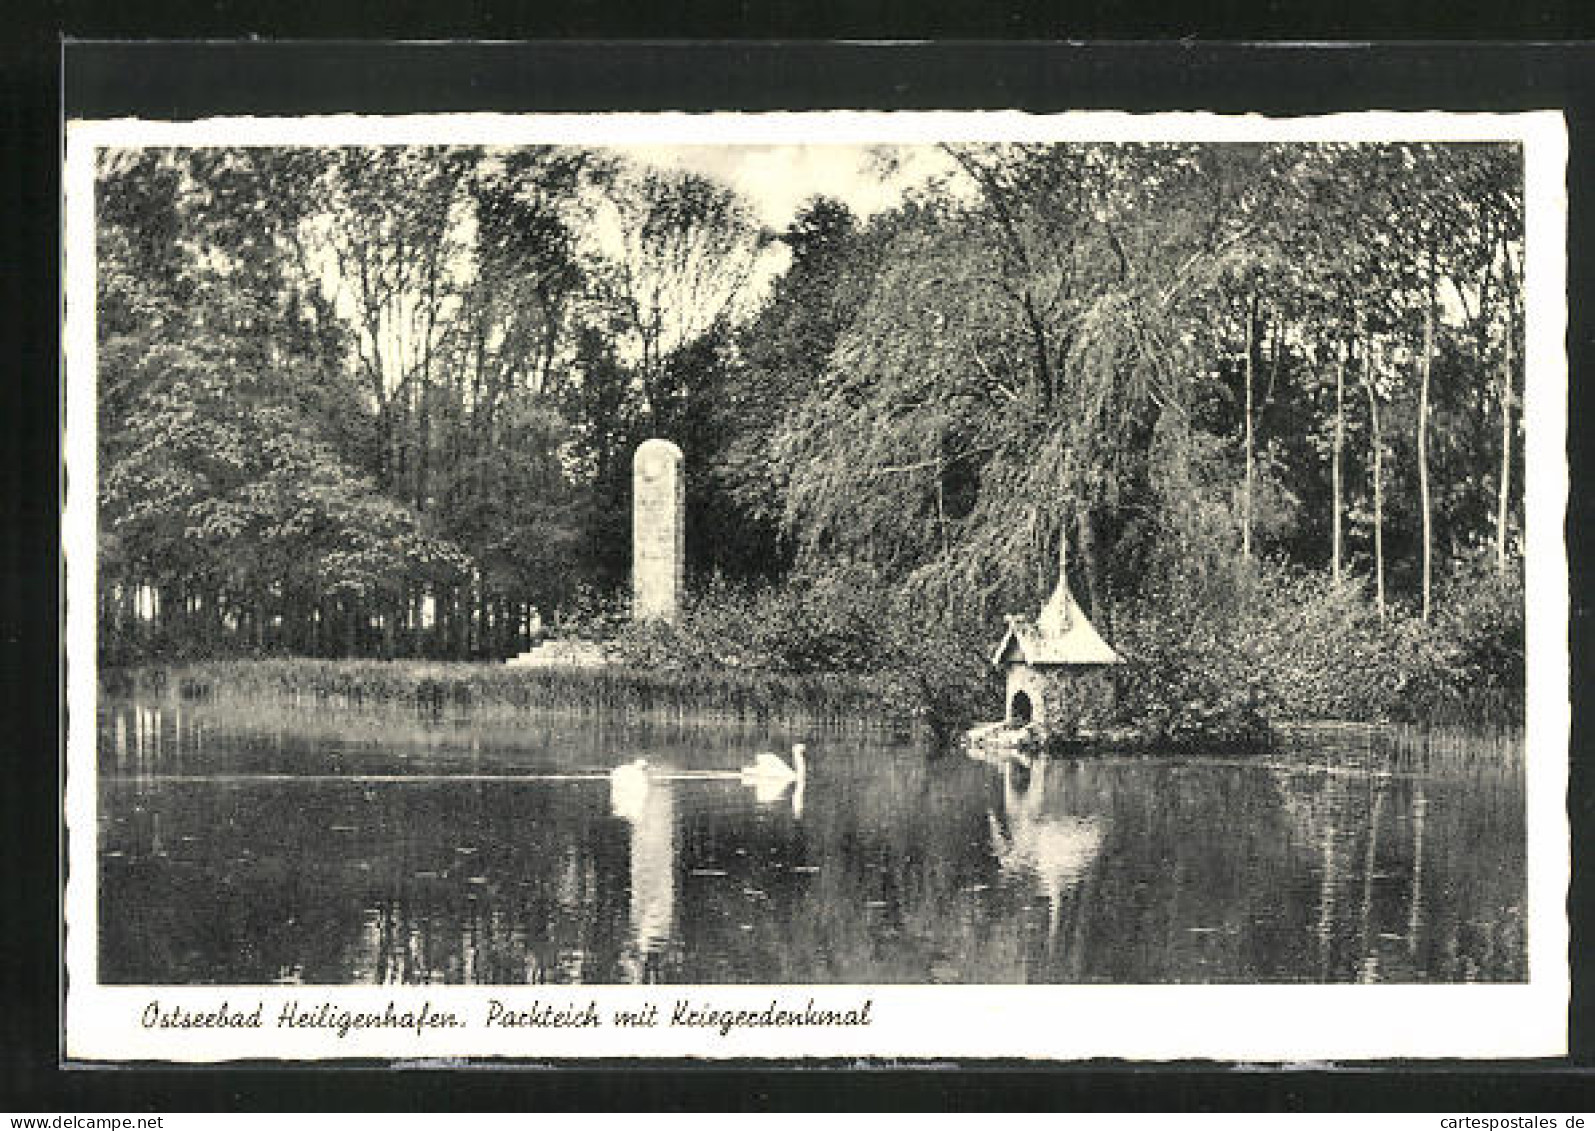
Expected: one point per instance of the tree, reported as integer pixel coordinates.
(683, 252)
(1004, 381)
(342, 389)
(780, 356)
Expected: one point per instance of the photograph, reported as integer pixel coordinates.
(963, 553)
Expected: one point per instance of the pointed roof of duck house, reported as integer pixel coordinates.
(1060, 636)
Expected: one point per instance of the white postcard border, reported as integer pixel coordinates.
(1232, 1022)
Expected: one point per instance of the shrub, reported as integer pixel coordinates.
(591, 614)
(1190, 674)
(1474, 645)
(1284, 644)
(930, 670)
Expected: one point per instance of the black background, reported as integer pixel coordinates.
(191, 80)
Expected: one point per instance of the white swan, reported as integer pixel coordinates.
(632, 773)
(769, 768)
(628, 788)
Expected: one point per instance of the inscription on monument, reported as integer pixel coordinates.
(658, 531)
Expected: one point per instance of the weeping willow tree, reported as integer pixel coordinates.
(1022, 372)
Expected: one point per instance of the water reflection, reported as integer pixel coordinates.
(254, 845)
(1053, 849)
(649, 808)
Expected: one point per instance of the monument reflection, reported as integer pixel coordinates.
(648, 806)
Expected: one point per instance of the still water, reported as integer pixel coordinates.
(264, 843)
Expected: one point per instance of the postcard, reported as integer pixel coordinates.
(853, 585)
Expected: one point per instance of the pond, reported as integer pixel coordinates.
(266, 843)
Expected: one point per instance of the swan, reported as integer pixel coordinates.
(628, 789)
(632, 774)
(769, 768)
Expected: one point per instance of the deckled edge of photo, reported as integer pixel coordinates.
(1291, 1024)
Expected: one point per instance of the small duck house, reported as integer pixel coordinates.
(1057, 668)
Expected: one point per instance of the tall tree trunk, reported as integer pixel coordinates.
(1504, 498)
(1335, 462)
(1098, 597)
(1376, 442)
(127, 611)
(1246, 486)
(423, 450)
(1426, 369)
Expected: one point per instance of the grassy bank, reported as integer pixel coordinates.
(712, 695)
(1219, 656)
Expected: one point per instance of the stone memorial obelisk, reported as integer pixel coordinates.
(658, 531)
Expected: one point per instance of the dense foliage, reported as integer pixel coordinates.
(382, 402)
(927, 669)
